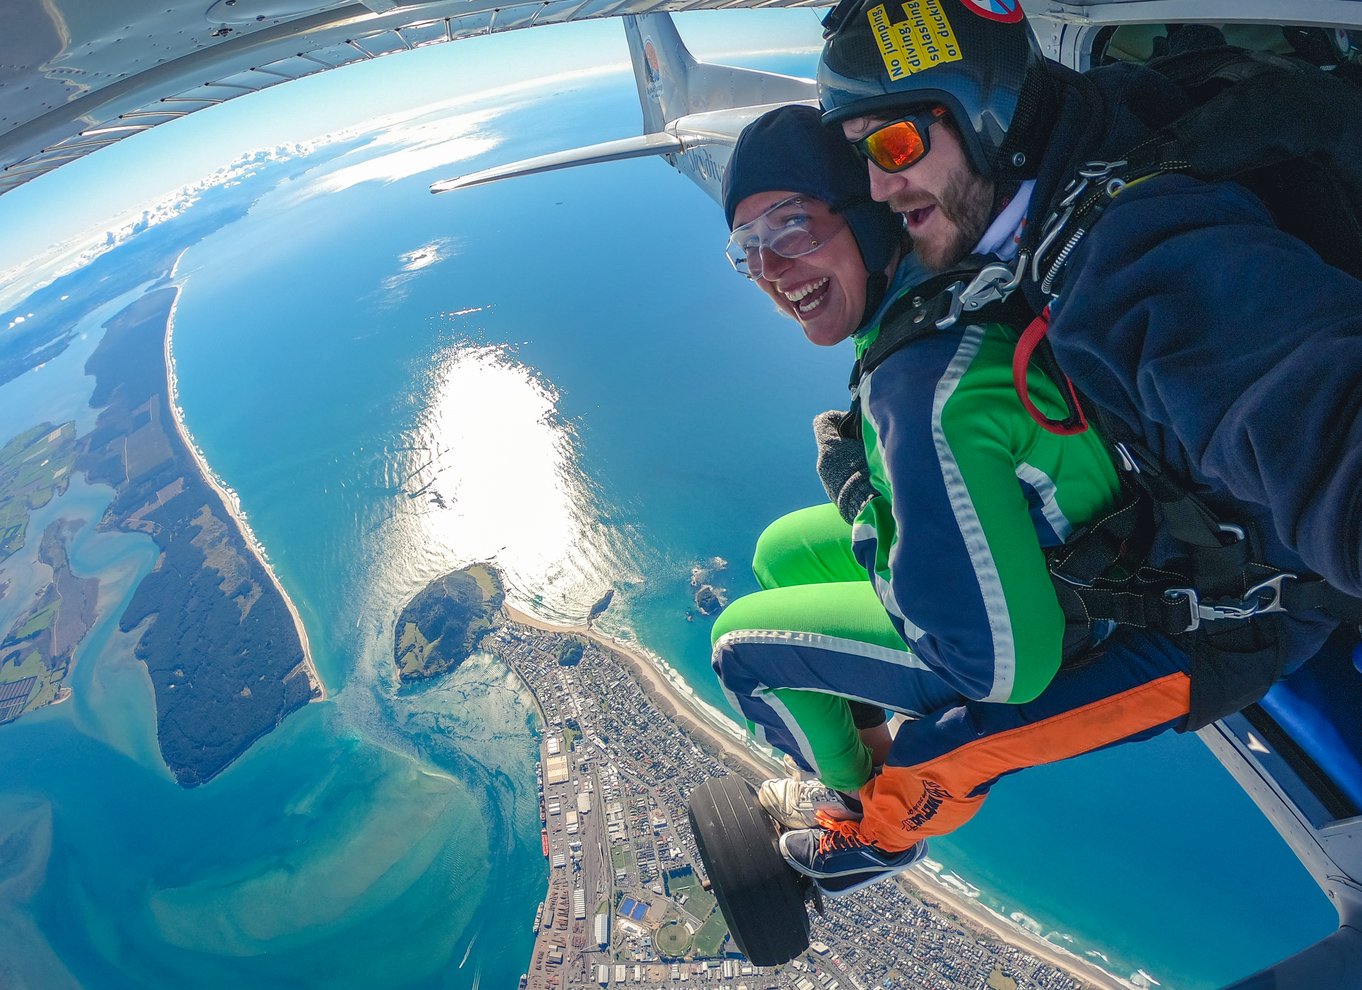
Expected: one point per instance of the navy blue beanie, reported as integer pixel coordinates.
(789, 148)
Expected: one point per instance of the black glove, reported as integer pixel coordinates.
(841, 465)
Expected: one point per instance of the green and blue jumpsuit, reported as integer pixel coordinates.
(936, 601)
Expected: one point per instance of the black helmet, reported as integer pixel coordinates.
(977, 58)
(789, 148)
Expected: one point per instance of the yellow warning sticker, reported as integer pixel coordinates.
(924, 39)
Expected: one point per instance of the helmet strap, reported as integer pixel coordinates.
(876, 284)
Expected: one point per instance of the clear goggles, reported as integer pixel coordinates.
(788, 229)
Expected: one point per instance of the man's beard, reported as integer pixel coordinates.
(968, 202)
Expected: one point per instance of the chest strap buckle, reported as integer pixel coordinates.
(1263, 598)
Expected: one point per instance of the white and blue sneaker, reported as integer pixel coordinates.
(795, 803)
(839, 859)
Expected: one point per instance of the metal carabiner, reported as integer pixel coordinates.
(1128, 462)
(956, 290)
(1205, 611)
(1072, 191)
(1087, 174)
(1273, 586)
(995, 281)
(1100, 170)
(1176, 596)
(1054, 227)
(1251, 604)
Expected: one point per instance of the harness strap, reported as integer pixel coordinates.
(1033, 345)
(1121, 536)
(1100, 577)
(932, 306)
(898, 329)
(1316, 594)
(1139, 608)
(1184, 515)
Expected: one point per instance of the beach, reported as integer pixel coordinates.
(670, 694)
(927, 888)
(233, 506)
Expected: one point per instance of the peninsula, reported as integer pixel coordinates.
(225, 649)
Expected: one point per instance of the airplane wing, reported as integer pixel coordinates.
(77, 76)
(608, 151)
(692, 111)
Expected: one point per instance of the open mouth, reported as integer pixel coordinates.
(809, 297)
(916, 218)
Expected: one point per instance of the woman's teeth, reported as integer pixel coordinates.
(798, 296)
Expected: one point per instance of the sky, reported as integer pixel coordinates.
(108, 189)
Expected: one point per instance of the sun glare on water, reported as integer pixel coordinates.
(493, 473)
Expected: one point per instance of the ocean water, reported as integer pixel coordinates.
(569, 364)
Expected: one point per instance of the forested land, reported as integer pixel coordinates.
(224, 655)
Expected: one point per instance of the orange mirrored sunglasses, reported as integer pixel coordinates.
(901, 143)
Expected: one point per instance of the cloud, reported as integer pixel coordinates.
(407, 148)
(32, 274)
(412, 263)
(407, 143)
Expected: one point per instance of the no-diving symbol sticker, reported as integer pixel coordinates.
(1008, 11)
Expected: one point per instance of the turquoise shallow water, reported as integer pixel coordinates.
(598, 401)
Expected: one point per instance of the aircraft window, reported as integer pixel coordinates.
(1142, 42)
(1308, 721)
(1335, 804)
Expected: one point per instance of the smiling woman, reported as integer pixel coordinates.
(815, 276)
(790, 215)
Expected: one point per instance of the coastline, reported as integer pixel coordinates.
(233, 506)
(674, 697)
(925, 885)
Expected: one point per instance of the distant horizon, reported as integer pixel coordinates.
(108, 190)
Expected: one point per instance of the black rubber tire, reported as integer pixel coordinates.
(761, 898)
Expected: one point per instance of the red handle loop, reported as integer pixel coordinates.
(1031, 339)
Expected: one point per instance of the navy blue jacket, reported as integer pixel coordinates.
(1225, 345)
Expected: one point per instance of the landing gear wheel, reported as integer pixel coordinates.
(761, 897)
